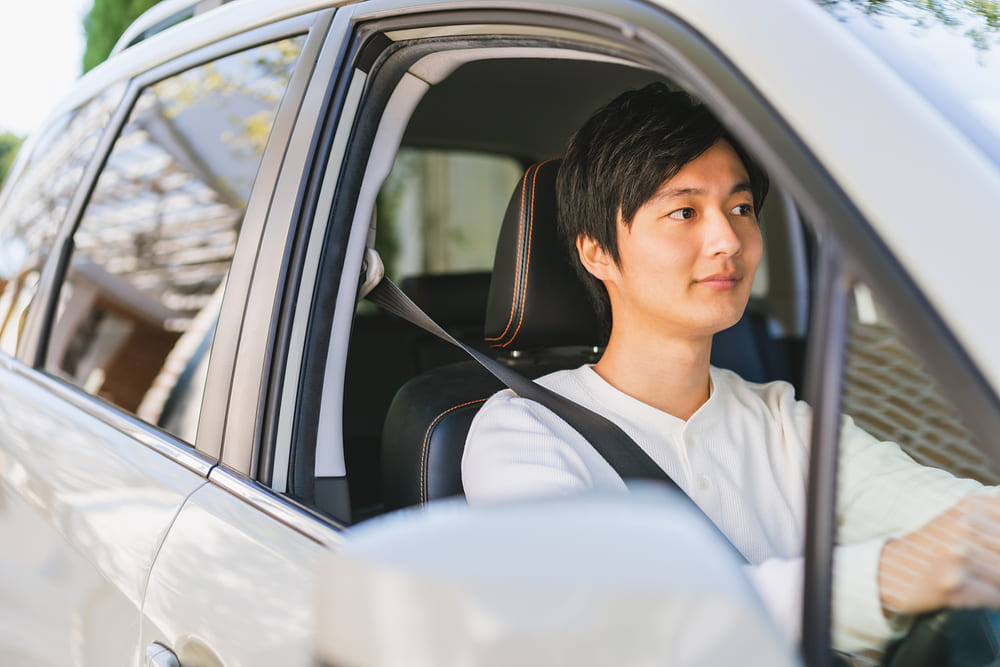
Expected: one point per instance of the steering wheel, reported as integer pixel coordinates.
(949, 638)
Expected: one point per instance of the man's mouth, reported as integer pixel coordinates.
(721, 281)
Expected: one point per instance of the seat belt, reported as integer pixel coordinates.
(612, 443)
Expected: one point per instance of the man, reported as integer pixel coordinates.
(659, 206)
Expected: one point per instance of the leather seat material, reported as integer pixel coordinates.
(424, 433)
(536, 298)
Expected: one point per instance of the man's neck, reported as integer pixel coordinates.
(669, 374)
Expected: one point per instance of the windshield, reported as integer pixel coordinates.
(948, 49)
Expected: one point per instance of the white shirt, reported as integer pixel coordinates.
(743, 458)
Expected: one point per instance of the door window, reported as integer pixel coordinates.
(440, 211)
(37, 204)
(143, 290)
(905, 458)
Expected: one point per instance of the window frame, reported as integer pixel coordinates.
(366, 46)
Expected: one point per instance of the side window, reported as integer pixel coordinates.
(143, 290)
(37, 203)
(889, 394)
(440, 211)
(905, 458)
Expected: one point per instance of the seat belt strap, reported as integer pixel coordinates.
(610, 441)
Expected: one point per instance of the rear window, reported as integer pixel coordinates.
(440, 211)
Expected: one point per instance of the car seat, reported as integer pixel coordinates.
(541, 319)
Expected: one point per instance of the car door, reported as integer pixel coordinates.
(233, 579)
(87, 491)
(101, 446)
(772, 107)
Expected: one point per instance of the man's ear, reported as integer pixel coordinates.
(594, 258)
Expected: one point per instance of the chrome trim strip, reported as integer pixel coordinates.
(298, 517)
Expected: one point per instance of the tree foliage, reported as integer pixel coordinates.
(9, 145)
(979, 19)
(105, 23)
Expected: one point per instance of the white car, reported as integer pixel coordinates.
(195, 404)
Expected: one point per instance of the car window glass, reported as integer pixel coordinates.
(905, 458)
(144, 286)
(37, 203)
(440, 211)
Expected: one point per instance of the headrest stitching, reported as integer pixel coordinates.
(520, 236)
(527, 260)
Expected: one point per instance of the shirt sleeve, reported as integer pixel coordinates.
(858, 621)
(517, 449)
(882, 493)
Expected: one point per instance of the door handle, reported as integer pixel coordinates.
(158, 655)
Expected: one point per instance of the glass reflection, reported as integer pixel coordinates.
(36, 204)
(911, 479)
(948, 49)
(140, 301)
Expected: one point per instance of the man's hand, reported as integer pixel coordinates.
(952, 561)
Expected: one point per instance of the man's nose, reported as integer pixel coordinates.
(721, 236)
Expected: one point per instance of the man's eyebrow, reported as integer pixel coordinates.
(670, 193)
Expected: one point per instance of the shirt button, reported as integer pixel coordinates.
(703, 483)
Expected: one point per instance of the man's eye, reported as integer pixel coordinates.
(682, 214)
(743, 209)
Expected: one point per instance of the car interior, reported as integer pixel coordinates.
(455, 189)
(451, 202)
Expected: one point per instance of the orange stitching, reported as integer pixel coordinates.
(517, 274)
(427, 437)
(527, 263)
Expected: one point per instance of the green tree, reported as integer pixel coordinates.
(9, 144)
(979, 19)
(105, 23)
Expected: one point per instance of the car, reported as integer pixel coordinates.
(198, 408)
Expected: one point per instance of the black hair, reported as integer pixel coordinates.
(621, 156)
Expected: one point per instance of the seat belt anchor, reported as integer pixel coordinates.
(372, 272)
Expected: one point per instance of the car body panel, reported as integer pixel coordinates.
(85, 508)
(233, 585)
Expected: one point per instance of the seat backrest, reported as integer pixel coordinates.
(535, 303)
(386, 352)
(541, 318)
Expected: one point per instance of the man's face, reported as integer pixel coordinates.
(688, 260)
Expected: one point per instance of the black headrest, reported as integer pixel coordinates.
(450, 299)
(536, 299)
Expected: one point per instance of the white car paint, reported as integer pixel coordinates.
(83, 511)
(233, 586)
